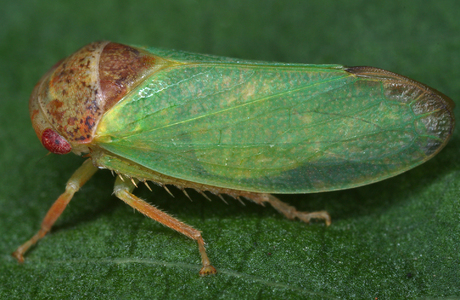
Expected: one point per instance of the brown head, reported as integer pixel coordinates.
(70, 99)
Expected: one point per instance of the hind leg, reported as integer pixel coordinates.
(123, 190)
(289, 211)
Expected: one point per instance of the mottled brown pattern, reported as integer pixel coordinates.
(72, 94)
(75, 94)
(429, 100)
(404, 81)
(120, 69)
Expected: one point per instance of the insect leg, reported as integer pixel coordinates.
(123, 190)
(76, 181)
(289, 211)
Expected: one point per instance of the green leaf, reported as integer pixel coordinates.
(391, 240)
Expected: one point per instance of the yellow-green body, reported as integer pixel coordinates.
(273, 128)
(227, 126)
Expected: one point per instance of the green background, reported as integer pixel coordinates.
(397, 239)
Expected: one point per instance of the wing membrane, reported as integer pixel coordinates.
(280, 129)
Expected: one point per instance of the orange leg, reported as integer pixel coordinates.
(123, 190)
(289, 211)
(78, 179)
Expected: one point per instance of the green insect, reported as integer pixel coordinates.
(229, 126)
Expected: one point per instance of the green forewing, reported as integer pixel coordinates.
(271, 127)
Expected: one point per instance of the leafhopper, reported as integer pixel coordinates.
(229, 126)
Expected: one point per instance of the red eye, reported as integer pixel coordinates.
(54, 142)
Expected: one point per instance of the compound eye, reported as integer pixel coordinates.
(54, 142)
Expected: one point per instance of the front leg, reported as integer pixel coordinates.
(76, 181)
